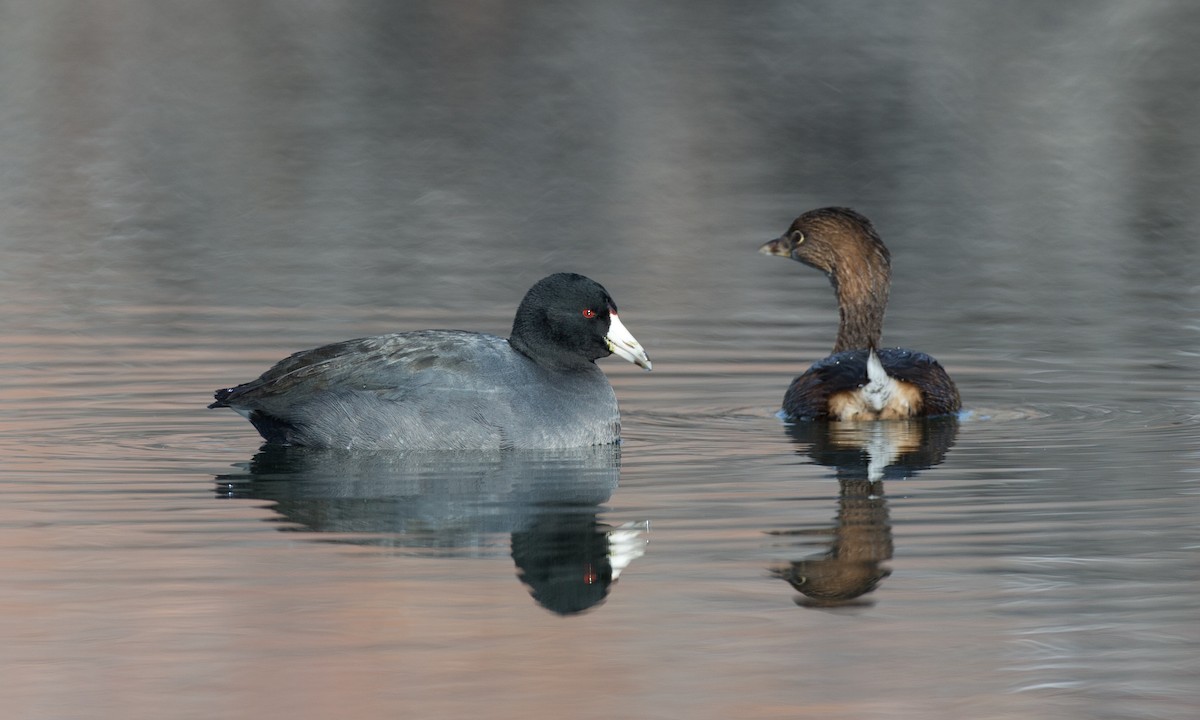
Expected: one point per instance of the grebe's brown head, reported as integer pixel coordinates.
(834, 240)
(842, 244)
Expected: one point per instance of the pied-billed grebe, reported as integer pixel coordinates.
(450, 389)
(860, 380)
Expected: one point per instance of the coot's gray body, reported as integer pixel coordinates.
(451, 389)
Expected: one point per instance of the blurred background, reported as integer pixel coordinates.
(1018, 158)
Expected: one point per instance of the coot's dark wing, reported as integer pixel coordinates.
(386, 364)
(424, 389)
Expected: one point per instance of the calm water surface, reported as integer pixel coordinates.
(190, 193)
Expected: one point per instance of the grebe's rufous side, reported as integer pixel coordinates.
(860, 380)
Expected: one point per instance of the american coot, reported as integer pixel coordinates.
(860, 380)
(455, 390)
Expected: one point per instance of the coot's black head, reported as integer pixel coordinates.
(832, 239)
(568, 320)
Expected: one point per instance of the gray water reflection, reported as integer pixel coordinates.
(859, 543)
(544, 505)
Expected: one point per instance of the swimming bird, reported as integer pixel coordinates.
(455, 390)
(859, 380)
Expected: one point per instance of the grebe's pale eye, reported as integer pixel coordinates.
(797, 238)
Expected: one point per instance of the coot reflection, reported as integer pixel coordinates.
(456, 504)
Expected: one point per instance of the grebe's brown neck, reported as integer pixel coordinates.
(844, 245)
(861, 283)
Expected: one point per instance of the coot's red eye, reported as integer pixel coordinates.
(589, 313)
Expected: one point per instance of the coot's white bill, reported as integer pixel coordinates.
(623, 343)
